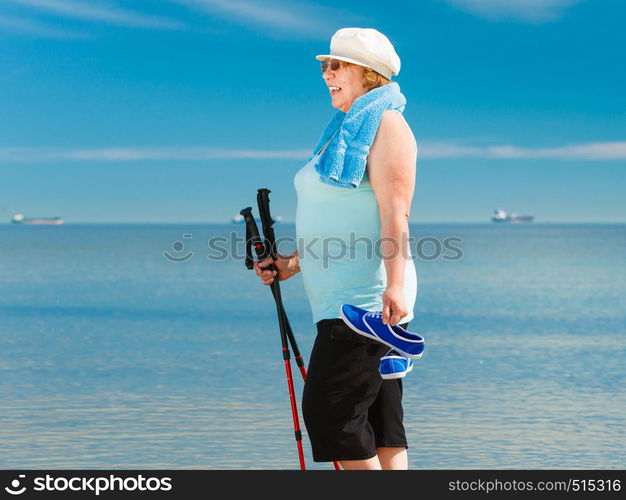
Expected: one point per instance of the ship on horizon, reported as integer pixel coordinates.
(20, 219)
(501, 216)
(238, 219)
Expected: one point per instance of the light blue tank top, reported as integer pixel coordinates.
(338, 231)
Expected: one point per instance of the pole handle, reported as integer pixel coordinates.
(253, 239)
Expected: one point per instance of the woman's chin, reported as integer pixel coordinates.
(337, 102)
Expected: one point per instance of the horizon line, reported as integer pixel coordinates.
(428, 149)
(290, 222)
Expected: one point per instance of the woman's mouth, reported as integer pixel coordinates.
(334, 90)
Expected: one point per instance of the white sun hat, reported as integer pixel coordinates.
(365, 47)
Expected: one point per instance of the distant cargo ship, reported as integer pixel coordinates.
(20, 219)
(502, 216)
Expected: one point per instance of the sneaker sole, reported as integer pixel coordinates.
(393, 376)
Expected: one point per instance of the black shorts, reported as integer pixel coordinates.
(349, 410)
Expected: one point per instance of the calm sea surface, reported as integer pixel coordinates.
(113, 356)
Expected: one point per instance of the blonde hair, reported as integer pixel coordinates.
(372, 79)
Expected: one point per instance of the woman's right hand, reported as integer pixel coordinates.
(286, 267)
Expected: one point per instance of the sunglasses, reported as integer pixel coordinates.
(333, 64)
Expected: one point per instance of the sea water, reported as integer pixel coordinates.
(126, 346)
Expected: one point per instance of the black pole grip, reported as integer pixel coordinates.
(252, 230)
(253, 239)
(263, 201)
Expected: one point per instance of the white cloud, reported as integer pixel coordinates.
(143, 153)
(534, 11)
(600, 151)
(99, 12)
(275, 18)
(36, 28)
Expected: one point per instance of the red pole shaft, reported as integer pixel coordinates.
(294, 414)
(300, 364)
(303, 372)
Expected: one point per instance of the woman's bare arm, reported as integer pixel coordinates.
(391, 166)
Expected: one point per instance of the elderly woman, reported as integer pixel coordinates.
(354, 196)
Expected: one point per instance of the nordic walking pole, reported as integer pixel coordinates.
(268, 233)
(285, 320)
(267, 222)
(260, 246)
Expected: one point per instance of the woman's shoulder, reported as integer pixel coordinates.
(393, 127)
(392, 118)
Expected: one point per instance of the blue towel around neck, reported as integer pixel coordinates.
(343, 161)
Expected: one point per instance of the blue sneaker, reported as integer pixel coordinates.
(393, 365)
(353, 317)
(370, 325)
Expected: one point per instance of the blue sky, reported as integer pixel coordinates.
(178, 110)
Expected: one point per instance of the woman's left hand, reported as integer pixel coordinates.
(394, 308)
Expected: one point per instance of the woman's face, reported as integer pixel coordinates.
(345, 85)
